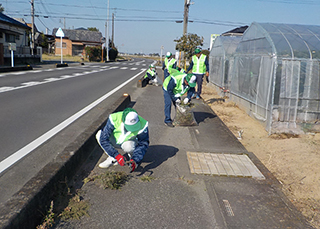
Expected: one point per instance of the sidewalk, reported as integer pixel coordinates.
(185, 191)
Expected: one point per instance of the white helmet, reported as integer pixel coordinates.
(168, 54)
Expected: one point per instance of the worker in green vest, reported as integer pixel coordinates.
(128, 131)
(200, 67)
(150, 76)
(174, 86)
(168, 64)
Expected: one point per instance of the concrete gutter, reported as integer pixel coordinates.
(27, 207)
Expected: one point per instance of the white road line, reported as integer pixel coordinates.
(9, 161)
(52, 79)
(31, 83)
(35, 71)
(4, 89)
(124, 68)
(133, 68)
(67, 76)
(18, 73)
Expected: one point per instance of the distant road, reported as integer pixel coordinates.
(37, 104)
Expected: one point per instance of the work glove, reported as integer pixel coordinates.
(133, 165)
(186, 101)
(178, 101)
(207, 77)
(121, 160)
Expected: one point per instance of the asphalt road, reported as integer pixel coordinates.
(38, 105)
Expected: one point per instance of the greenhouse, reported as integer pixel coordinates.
(276, 77)
(221, 59)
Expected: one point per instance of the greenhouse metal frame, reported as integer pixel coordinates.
(221, 59)
(276, 76)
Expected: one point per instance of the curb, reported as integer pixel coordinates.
(28, 206)
(62, 65)
(13, 69)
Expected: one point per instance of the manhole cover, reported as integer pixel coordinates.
(221, 164)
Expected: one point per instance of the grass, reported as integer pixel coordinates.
(77, 207)
(64, 58)
(48, 221)
(112, 180)
(189, 182)
(147, 178)
(66, 205)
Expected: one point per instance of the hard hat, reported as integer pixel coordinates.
(197, 50)
(191, 79)
(131, 119)
(168, 54)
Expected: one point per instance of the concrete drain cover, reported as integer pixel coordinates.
(223, 165)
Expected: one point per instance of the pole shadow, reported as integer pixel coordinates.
(155, 156)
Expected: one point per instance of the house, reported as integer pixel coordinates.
(236, 32)
(16, 33)
(75, 41)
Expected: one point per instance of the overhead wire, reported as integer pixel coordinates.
(143, 18)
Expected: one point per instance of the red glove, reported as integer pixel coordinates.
(120, 159)
(133, 165)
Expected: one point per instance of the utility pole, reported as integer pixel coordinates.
(185, 25)
(112, 39)
(107, 37)
(32, 29)
(161, 54)
(185, 16)
(105, 42)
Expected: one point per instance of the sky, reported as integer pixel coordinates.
(149, 26)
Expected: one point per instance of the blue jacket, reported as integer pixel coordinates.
(138, 153)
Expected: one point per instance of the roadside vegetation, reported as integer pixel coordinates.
(70, 204)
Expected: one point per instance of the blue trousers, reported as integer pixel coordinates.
(167, 106)
(199, 83)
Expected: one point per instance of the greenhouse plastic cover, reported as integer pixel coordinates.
(274, 74)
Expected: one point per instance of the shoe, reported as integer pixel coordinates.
(198, 97)
(169, 124)
(107, 163)
(193, 96)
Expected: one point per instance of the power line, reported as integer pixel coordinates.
(146, 19)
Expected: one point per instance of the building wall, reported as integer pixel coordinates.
(18, 36)
(66, 47)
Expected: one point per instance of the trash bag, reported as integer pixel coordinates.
(184, 115)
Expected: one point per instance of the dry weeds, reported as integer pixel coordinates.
(294, 160)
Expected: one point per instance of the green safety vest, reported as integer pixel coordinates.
(178, 78)
(120, 133)
(199, 66)
(169, 64)
(152, 73)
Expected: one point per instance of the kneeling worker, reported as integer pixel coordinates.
(126, 130)
(150, 76)
(174, 86)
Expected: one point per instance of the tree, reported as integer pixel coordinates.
(93, 29)
(188, 43)
(43, 41)
(94, 53)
